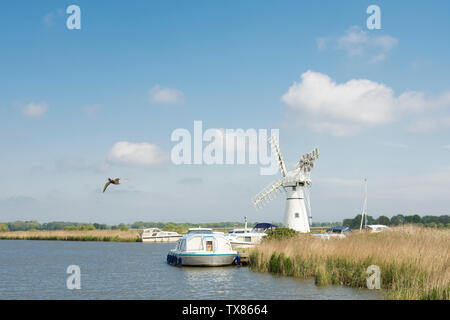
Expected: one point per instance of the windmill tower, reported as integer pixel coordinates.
(364, 212)
(296, 184)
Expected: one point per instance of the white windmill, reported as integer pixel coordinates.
(296, 183)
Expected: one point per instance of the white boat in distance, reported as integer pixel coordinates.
(157, 235)
(376, 227)
(242, 238)
(202, 249)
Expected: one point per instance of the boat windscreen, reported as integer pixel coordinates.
(200, 232)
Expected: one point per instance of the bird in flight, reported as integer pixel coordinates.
(113, 181)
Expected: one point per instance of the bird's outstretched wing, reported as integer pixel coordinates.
(106, 185)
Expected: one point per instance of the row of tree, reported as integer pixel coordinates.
(55, 225)
(61, 225)
(427, 221)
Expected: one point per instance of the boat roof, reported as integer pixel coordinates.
(264, 226)
(375, 226)
(338, 228)
(152, 229)
(204, 235)
(200, 231)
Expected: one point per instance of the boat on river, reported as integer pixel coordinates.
(244, 238)
(157, 235)
(334, 232)
(376, 227)
(202, 249)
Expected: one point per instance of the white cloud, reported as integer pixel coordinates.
(447, 147)
(163, 95)
(49, 18)
(429, 125)
(340, 108)
(141, 154)
(378, 58)
(357, 42)
(344, 109)
(321, 43)
(35, 110)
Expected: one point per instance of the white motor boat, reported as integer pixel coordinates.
(244, 238)
(376, 227)
(202, 249)
(157, 235)
(334, 232)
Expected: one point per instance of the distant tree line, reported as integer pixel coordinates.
(61, 225)
(426, 221)
(55, 225)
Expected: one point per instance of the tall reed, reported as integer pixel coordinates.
(414, 261)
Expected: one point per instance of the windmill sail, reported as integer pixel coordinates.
(269, 193)
(276, 148)
(296, 184)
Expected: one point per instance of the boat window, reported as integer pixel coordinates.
(296, 215)
(209, 246)
(248, 239)
(154, 234)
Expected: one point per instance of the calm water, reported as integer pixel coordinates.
(37, 270)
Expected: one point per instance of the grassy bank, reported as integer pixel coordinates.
(73, 235)
(414, 261)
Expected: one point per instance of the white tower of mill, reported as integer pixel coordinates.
(296, 184)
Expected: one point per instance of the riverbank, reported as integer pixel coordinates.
(414, 262)
(74, 235)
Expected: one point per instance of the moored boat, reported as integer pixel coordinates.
(202, 249)
(244, 238)
(157, 235)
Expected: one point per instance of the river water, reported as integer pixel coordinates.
(31, 269)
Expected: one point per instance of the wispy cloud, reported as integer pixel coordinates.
(429, 125)
(357, 42)
(163, 95)
(90, 110)
(35, 110)
(140, 154)
(50, 17)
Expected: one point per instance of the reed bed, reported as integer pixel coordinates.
(74, 235)
(414, 261)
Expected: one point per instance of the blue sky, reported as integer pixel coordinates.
(68, 96)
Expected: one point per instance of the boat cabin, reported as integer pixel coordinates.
(203, 242)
